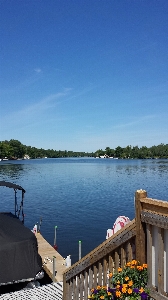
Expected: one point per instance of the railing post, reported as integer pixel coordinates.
(65, 287)
(140, 228)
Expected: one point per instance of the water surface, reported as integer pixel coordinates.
(82, 196)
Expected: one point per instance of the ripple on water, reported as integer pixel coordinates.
(83, 197)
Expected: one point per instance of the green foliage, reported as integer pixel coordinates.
(14, 149)
(134, 272)
(128, 152)
(128, 283)
(131, 281)
(101, 292)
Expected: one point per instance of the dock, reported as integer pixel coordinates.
(47, 252)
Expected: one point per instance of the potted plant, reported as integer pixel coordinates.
(129, 283)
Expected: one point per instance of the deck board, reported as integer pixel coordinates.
(53, 291)
(47, 251)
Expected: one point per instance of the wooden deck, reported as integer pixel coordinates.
(47, 251)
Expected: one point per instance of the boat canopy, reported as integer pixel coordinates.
(11, 185)
(19, 258)
(18, 208)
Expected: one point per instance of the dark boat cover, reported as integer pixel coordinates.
(11, 185)
(19, 258)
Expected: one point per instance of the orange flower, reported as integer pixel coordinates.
(98, 287)
(92, 290)
(118, 282)
(134, 262)
(125, 285)
(130, 283)
(129, 291)
(109, 294)
(140, 268)
(110, 275)
(126, 278)
(141, 290)
(132, 267)
(101, 297)
(145, 266)
(124, 290)
(118, 286)
(119, 269)
(118, 294)
(128, 264)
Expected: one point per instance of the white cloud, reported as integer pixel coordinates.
(138, 120)
(34, 110)
(38, 70)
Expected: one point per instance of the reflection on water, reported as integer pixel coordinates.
(83, 197)
(143, 166)
(11, 171)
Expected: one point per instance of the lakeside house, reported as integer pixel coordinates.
(26, 156)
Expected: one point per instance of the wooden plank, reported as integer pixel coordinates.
(123, 256)
(155, 251)
(155, 206)
(140, 227)
(157, 296)
(154, 219)
(70, 289)
(116, 261)
(161, 261)
(110, 263)
(149, 254)
(129, 249)
(166, 261)
(104, 272)
(155, 202)
(155, 209)
(100, 273)
(86, 285)
(65, 289)
(113, 262)
(90, 278)
(95, 270)
(81, 285)
(77, 287)
(74, 289)
(46, 250)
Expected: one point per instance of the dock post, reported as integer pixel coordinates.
(80, 249)
(15, 201)
(55, 245)
(40, 224)
(54, 266)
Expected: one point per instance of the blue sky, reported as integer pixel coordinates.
(84, 75)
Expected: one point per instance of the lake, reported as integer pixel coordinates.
(82, 196)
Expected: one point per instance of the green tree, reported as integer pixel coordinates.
(118, 152)
(135, 152)
(18, 150)
(100, 152)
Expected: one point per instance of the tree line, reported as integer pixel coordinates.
(159, 151)
(14, 149)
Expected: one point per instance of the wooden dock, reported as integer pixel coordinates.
(47, 252)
